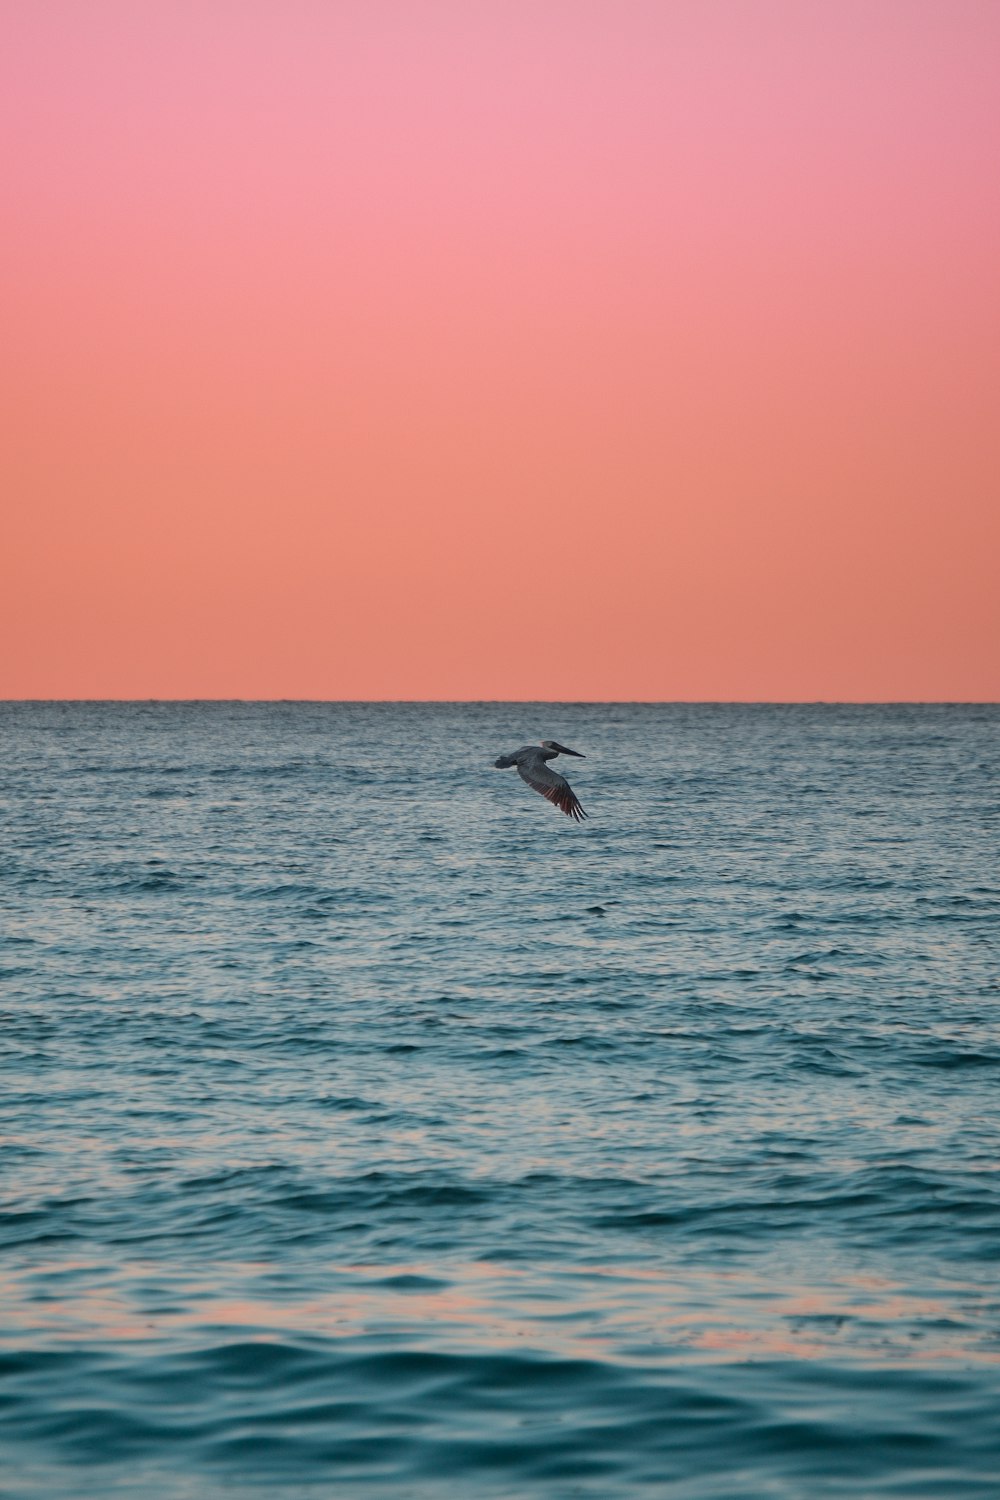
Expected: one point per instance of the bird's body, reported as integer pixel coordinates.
(531, 765)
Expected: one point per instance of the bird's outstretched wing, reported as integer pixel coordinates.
(541, 778)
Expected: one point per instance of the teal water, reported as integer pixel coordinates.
(368, 1128)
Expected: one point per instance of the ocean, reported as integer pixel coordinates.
(369, 1128)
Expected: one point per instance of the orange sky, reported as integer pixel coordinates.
(526, 349)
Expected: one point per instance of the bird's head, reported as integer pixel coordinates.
(561, 749)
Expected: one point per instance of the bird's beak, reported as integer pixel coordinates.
(563, 750)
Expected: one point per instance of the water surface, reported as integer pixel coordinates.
(370, 1128)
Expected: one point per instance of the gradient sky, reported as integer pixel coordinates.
(512, 349)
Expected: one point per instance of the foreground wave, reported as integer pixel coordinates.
(260, 1411)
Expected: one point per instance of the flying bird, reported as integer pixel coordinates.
(530, 762)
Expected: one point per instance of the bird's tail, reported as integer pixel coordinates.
(504, 762)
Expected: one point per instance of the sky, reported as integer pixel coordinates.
(517, 349)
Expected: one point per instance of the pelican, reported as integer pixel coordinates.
(530, 762)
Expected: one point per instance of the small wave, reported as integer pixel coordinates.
(953, 1057)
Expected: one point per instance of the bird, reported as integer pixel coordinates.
(530, 762)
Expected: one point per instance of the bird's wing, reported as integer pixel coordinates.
(541, 778)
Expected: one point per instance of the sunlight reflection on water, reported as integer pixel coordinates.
(598, 1312)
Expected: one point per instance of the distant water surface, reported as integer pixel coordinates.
(370, 1129)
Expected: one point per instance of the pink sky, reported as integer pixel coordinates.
(528, 349)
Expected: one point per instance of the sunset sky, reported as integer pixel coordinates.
(609, 349)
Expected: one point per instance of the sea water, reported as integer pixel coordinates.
(371, 1129)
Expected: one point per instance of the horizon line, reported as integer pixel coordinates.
(565, 702)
